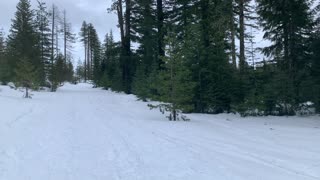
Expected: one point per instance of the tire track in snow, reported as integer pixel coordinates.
(20, 117)
(245, 156)
(125, 153)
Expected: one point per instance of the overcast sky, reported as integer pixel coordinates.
(93, 11)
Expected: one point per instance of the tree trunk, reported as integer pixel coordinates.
(205, 55)
(120, 20)
(88, 54)
(52, 48)
(160, 17)
(127, 48)
(27, 93)
(85, 62)
(65, 36)
(242, 36)
(233, 37)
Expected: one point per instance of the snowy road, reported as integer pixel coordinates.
(80, 133)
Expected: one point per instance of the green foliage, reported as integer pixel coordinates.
(288, 25)
(62, 71)
(105, 81)
(95, 48)
(44, 42)
(204, 45)
(175, 85)
(111, 67)
(4, 69)
(80, 75)
(315, 71)
(140, 86)
(116, 80)
(26, 76)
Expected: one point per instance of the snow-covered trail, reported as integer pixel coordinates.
(80, 133)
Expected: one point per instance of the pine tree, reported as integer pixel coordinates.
(175, 84)
(3, 60)
(23, 40)
(111, 65)
(26, 75)
(44, 35)
(69, 72)
(79, 73)
(315, 71)
(59, 69)
(95, 51)
(124, 12)
(288, 25)
(144, 25)
(84, 39)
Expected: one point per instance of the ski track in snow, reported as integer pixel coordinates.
(81, 133)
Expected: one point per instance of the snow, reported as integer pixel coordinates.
(81, 133)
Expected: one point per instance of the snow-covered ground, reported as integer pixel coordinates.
(81, 133)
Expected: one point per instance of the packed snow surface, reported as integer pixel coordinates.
(81, 133)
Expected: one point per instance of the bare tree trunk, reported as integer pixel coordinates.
(52, 47)
(65, 35)
(57, 40)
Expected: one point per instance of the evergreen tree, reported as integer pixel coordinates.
(175, 84)
(69, 72)
(26, 75)
(84, 39)
(124, 12)
(144, 25)
(59, 71)
(44, 35)
(23, 40)
(3, 60)
(79, 73)
(315, 71)
(95, 51)
(288, 25)
(111, 65)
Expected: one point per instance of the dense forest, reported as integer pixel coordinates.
(195, 56)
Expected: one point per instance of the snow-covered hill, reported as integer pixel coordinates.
(81, 133)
